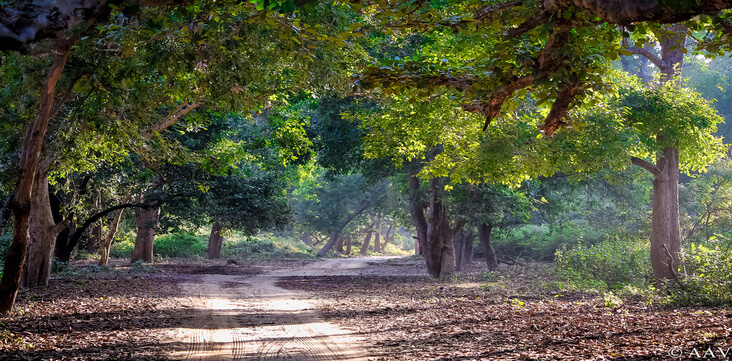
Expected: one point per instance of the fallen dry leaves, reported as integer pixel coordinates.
(415, 318)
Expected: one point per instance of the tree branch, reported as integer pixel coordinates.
(528, 25)
(172, 118)
(647, 166)
(644, 53)
(555, 119)
(79, 231)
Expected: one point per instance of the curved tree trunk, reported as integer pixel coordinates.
(29, 159)
(484, 235)
(106, 244)
(366, 243)
(146, 220)
(365, 204)
(43, 232)
(215, 241)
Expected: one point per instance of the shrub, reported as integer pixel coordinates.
(270, 247)
(707, 277)
(180, 245)
(617, 261)
(539, 243)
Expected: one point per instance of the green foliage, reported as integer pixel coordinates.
(266, 246)
(181, 245)
(539, 242)
(706, 279)
(619, 260)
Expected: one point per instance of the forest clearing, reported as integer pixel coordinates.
(375, 309)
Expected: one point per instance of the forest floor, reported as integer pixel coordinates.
(344, 309)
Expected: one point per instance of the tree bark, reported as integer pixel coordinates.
(416, 211)
(146, 220)
(365, 204)
(215, 241)
(463, 243)
(377, 241)
(106, 244)
(43, 232)
(28, 165)
(339, 245)
(665, 227)
(349, 245)
(366, 243)
(484, 235)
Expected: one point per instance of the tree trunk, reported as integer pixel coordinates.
(339, 245)
(417, 250)
(43, 232)
(416, 210)
(366, 242)
(463, 241)
(365, 204)
(388, 236)
(349, 245)
(106, 244)
(146, 220)
(484, 235)
(29, 158)
(435, 230)
(94, 238)
(377, 241)
(447, 261)
(665, 228)
(215, 241)
(307, 239)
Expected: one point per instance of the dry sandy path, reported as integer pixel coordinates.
(250, 318)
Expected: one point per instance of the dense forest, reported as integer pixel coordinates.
(579, 143)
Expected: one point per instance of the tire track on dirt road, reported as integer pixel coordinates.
(250, 318)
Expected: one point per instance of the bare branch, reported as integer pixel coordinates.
(647, 166)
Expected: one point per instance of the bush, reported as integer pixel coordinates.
(618, 261)
(270, 247)
(539, 243)
(180, 245)
(122, 247)
(707, 279)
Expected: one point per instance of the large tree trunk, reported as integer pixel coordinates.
(215, 241)
(366, 243)
(43, 232)
(29, 158)
(435, 230)
(349, 245)
(484, 235)
(365, 204)
(665, 228)
(106, 244)
(146, 220)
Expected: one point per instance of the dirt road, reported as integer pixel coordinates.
(250, 318)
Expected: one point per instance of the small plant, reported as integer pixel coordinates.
(611, 300)
(707, 280)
